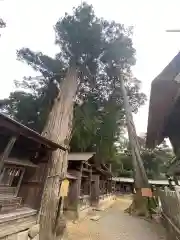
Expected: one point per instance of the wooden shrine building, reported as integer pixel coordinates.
(24, 156)
(23, 165)
(125, 185)
(90, 185)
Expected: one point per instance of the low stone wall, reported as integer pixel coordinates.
(106, 201)
(78, 214)
(84, 207)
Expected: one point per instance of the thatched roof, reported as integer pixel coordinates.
(164, 93)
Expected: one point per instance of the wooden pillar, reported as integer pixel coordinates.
(74, 195)
(101, 186)
(90, 182)
(175, 141)
(7, 151)
(104, 186)
(71, 210)
(176, 180)
(78, 174)
(95, 189)
(110, 185)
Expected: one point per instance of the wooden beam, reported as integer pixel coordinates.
(19, 183)
(90, 180)
(86, 163)
(86, 170)
(17, 127)
(7, 151)
(85, 176)
(83, 169)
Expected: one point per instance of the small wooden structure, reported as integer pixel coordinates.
(23, 165)
(126, 185)
(89, 184)
(123, 185)
(24, 156)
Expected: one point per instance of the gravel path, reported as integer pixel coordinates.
(114, 224)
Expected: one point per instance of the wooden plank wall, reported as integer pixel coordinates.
(32, 186)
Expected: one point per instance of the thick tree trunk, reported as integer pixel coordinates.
(140, 203)
(57, 129)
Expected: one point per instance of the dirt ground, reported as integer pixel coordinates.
(114, 224)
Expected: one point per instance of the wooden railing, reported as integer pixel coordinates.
(170, 204)
(84, 201)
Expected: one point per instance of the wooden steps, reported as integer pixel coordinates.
(7, 190)
(16, 221)
(9, 203)
(22, 212)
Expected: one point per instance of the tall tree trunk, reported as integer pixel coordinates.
(140, 203)
(57, 129)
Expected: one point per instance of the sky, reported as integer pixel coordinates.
(30, 24)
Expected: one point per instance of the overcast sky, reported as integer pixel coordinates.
(30, 24)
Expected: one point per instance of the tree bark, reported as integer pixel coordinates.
(140, 203)
(57, 129)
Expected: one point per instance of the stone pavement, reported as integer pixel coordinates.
(114, 224)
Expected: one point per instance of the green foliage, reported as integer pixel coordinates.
(2, 23)
(101, 50)
(31, 105)
(155, 161)
(122, 165)
(97, 126)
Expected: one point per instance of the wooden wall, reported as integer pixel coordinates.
(32, 185)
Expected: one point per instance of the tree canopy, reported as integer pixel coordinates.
(102, 50)
(156, 161)
(2, 24)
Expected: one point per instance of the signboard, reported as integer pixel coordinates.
(146, 192)
(64, 188)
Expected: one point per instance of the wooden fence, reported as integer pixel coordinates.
(170, 204)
